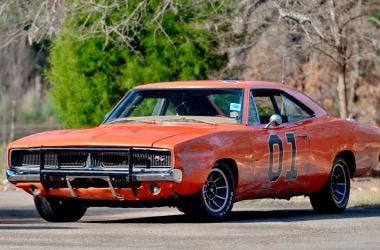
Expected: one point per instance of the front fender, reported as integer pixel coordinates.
(195, 160)
(198, 156)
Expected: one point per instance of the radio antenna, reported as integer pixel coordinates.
(283, 66)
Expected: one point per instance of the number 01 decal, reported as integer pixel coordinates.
(275, 140)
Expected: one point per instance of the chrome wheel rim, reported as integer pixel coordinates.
(339, 184)
(216, 191)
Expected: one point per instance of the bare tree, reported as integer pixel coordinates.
(21, 24)
(42, 19)
(34, 20)
(329, 26)
(16, 68)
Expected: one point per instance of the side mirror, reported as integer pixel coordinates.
(274, 120)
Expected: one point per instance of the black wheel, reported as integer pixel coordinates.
(334, 196)
(59, 210)
(216, 198)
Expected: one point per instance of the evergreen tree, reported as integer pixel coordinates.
(88, 76)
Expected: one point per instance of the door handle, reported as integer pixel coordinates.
(303, 136)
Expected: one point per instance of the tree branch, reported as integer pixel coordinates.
(326, 54)
(349, 20)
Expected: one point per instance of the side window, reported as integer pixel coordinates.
(293, 111)
(280, 105)
(253, 116)
(265, 107)
(269, 102)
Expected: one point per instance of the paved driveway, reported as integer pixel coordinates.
(259, 225)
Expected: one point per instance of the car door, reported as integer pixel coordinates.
(281, 152)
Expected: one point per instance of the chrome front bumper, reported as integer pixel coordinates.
(174, 175)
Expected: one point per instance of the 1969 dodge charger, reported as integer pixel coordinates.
(199, 146)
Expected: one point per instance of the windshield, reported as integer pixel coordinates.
(224, 106)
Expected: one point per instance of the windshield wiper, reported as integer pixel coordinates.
(122, 120)
(184, 119)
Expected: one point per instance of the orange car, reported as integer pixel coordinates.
(200, 146)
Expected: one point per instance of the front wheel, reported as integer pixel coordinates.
(59, 210)
(334, 196)
(216, 198)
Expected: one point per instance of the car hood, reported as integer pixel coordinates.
(143, 135)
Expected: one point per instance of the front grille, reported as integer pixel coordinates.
(70, 159)
(81, 158)
(30, 159)
(113, 159)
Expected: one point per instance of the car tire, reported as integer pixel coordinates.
(59, 210)
(215, 199)
(334, 196)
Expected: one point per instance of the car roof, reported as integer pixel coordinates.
(237, 84)
(211, 84)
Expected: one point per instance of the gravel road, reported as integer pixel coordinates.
(258, 225)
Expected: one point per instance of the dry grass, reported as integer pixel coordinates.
(365, 192)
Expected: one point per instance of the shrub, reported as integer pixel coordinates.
(88, 77)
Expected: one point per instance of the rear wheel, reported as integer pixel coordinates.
(334, 196)
(216, 198)
(59, 210)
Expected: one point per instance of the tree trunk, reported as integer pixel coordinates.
(356, 51)
(342, 93)
(13, 121)
(355, 78)
(341, 61)
(3, 133)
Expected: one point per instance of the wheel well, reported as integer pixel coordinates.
(233, 166)
(349, 157)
